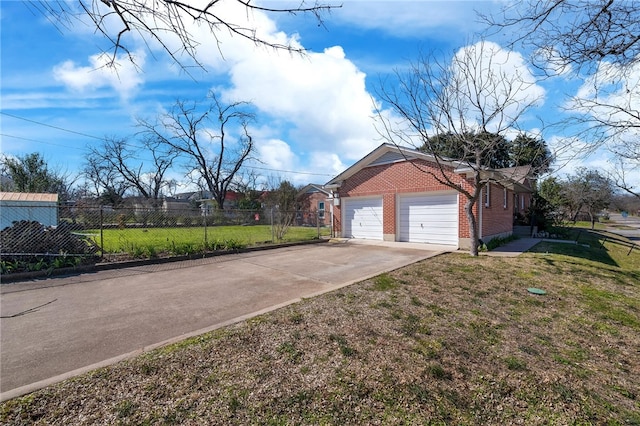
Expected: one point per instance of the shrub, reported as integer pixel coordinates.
(28, 245)
(499, 241)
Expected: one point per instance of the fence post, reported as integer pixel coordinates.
(318, 222)
(204, 218)
(273, 235)
(101, 232)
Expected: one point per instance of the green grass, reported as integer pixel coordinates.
(597, 246)
(453, 339)
(151, 241)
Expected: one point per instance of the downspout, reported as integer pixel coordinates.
(480, 208)
(331, 219)
(333, 188)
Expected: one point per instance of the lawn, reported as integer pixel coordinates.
(183, 239)
(450, 340)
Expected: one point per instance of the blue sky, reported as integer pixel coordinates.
(314, 113)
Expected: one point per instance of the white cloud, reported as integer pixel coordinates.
(316, 102)
(317, 105)
(329, 162)
(277, 155)
(413, 18)
(606, 111)
(123, 76)
(321, 96)
(612, 95)
(491, 87)
(553, 61)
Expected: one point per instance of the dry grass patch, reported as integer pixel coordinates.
(452, 340)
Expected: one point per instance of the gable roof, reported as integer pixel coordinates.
(520, 174)
(512, 178)
(312, 187)
(385, 154)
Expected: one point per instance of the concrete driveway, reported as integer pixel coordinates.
(56, 328)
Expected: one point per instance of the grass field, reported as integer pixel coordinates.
(181, 240)
(453, 340)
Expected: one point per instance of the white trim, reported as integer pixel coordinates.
(505, 200)
(487, 195)
(480, 210)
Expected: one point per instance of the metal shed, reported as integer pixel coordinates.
(39, 207)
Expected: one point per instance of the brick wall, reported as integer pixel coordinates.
(404, 177)
(309, 209)
(497, 218)
(389, 180)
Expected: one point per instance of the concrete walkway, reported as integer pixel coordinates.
(513, 248)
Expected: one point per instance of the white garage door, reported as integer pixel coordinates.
(363, 218)
(429, 219)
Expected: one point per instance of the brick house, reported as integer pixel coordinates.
(387, 195)
(312, 203)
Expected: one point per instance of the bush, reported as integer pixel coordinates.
(497, 242)
(28, 245)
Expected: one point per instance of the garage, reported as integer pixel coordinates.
(363, 218)
(431, 218)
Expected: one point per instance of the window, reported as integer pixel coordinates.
(505, 200)
(487, 195)
(320, 209)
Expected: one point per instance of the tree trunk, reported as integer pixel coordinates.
(473, 227)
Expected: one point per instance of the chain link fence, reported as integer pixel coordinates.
(35, 236)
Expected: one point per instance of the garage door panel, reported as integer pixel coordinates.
(429, 219)
(363, 218)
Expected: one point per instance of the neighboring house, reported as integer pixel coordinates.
(387, 195)
(312, 206)
(209, 205)
(200, 203)
(38, 207)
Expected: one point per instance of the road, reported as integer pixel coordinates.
(632, 222)
(56, 328)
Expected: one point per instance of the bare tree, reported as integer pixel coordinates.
(105, 182)
(283, 204)
(470, 102)
(619, 176)
(606, 112)
(201, 135)
(588, 192)
(159, 21)
(578, 34)
(598, 41)
(120, 158)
